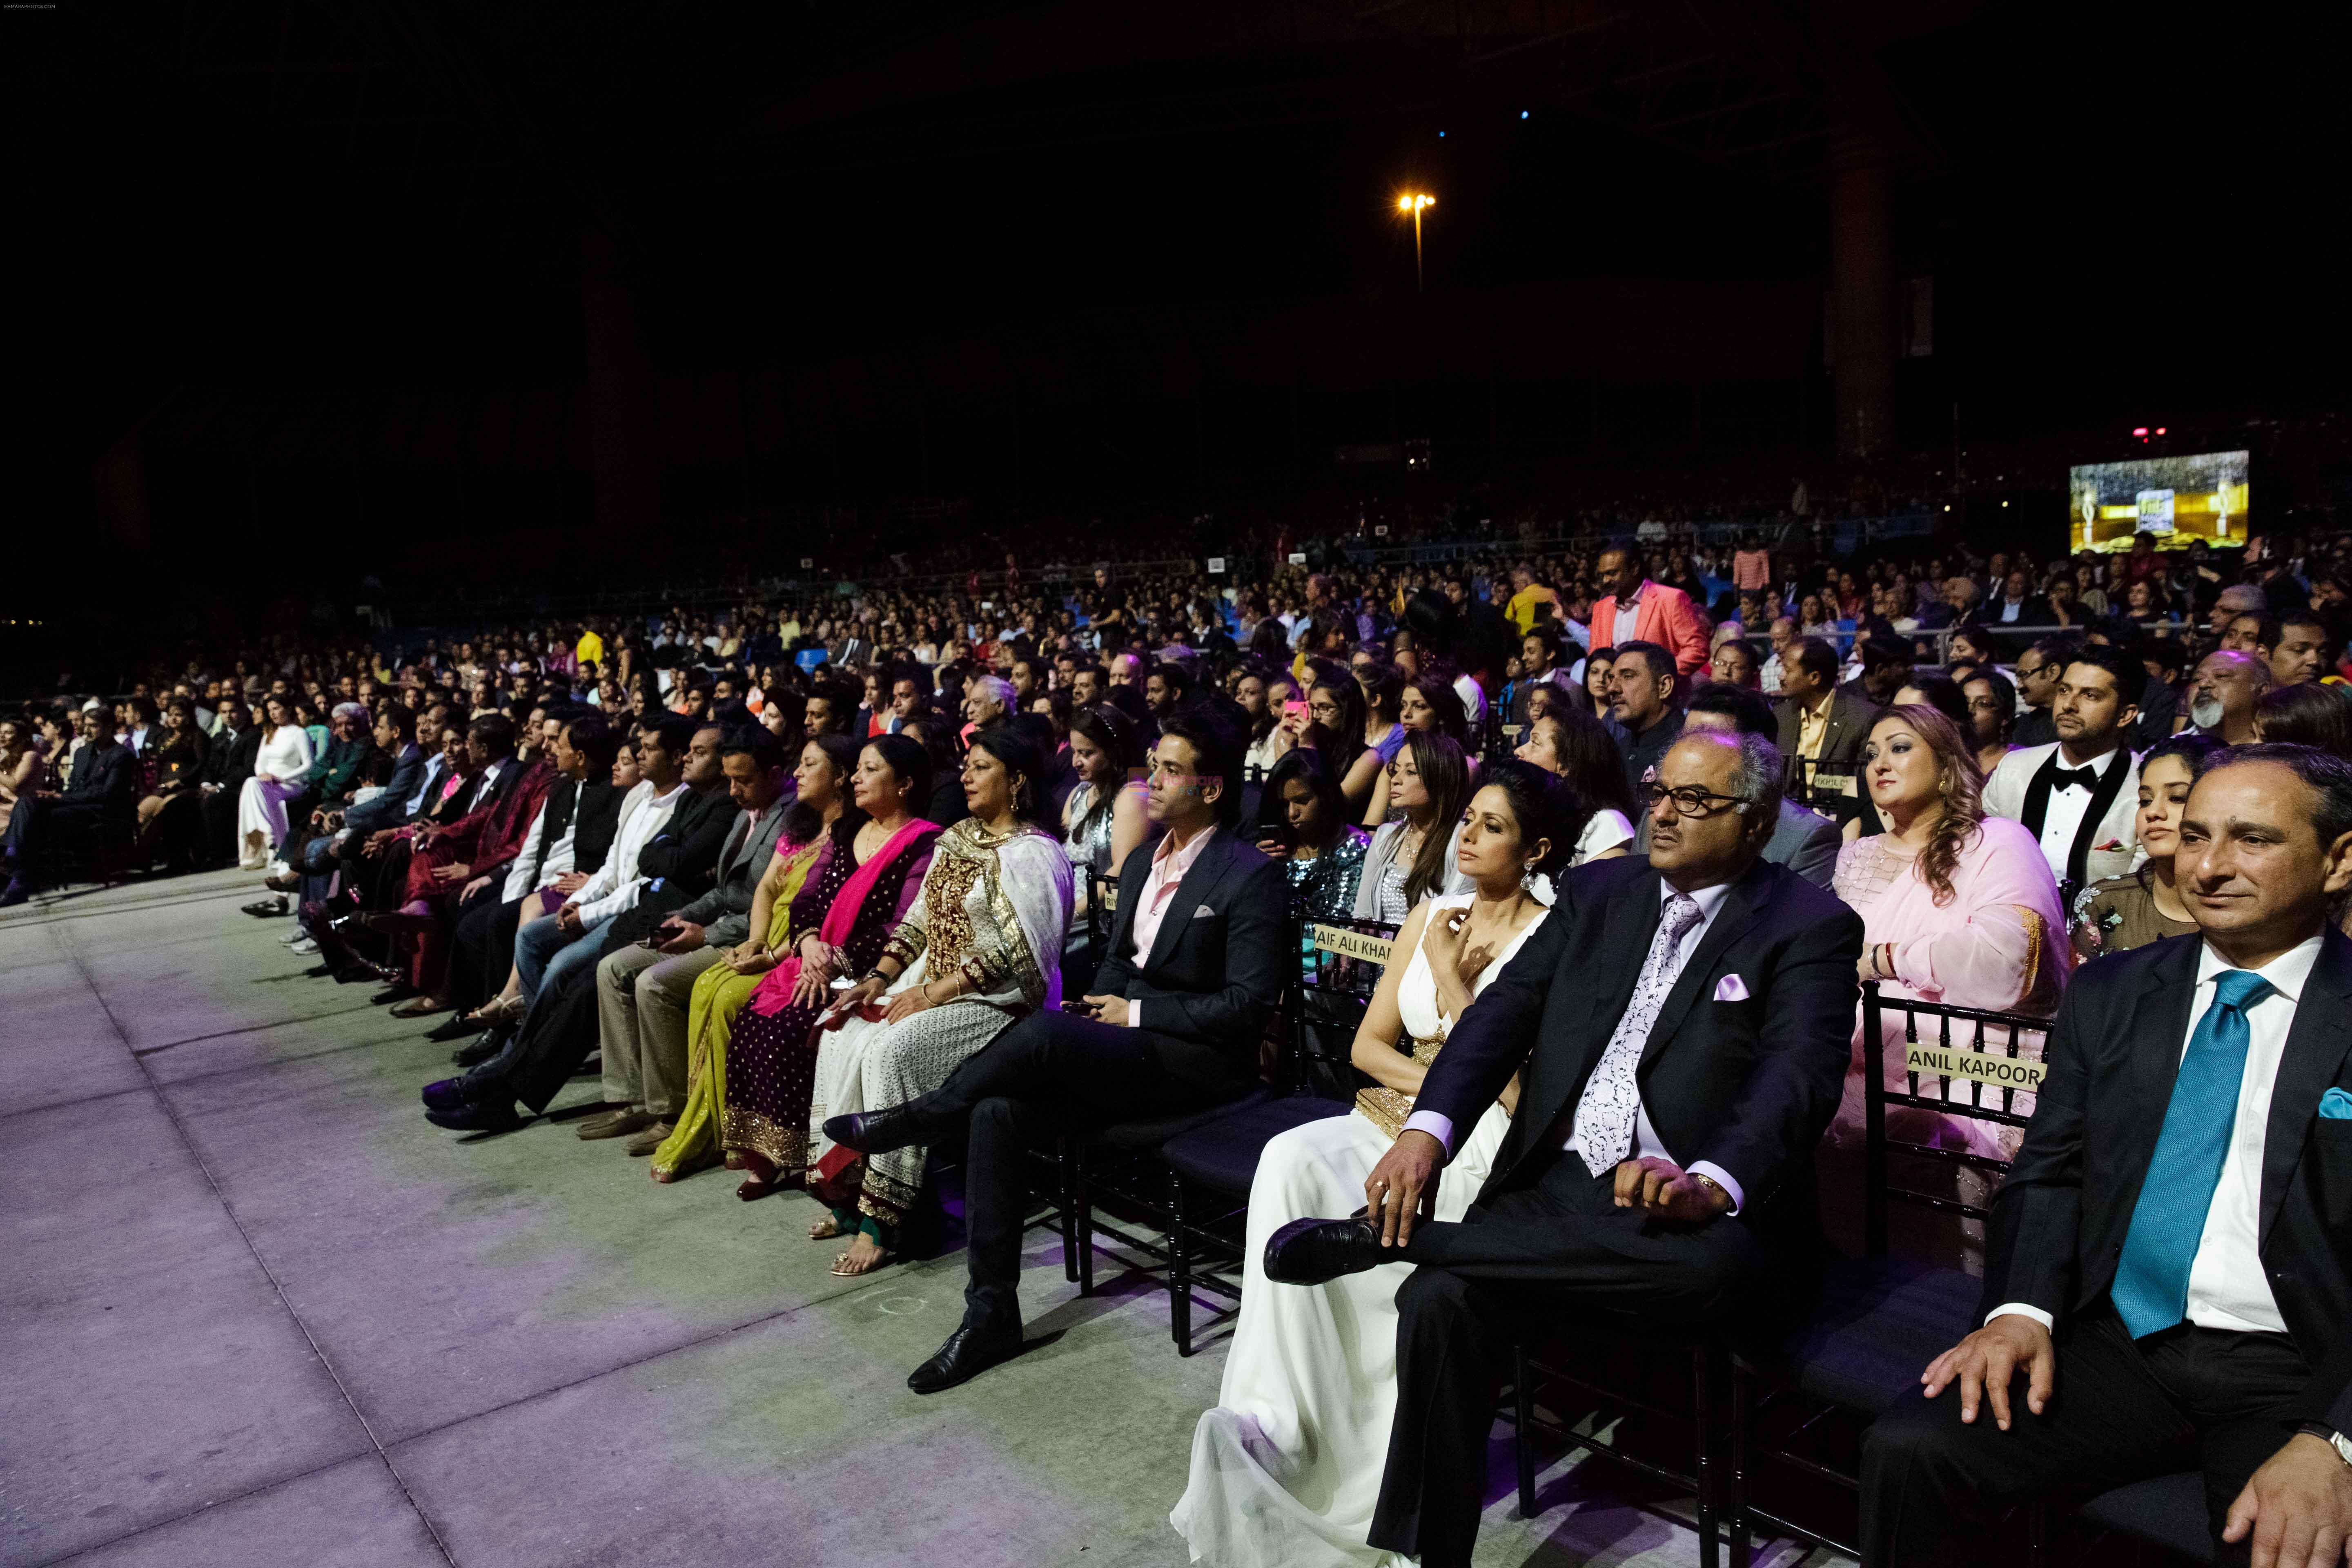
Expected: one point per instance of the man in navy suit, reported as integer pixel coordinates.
(1683, 1024)
(104, 783)
(1194, 970)
(2169, 1275)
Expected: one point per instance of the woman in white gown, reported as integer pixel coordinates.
(279, 770)
(1286, 1469)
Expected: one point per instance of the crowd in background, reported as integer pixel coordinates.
(784, 871)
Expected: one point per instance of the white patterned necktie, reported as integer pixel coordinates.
(1603, 1128)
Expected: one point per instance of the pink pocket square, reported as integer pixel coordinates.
(1731, 988)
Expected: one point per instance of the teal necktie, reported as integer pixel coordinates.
(2151, 1286)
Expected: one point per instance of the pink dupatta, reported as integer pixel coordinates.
(775, 993)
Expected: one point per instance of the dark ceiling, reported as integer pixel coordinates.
(335, 195)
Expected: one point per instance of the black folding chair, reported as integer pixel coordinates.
(1341, 963)
(1881, 1319)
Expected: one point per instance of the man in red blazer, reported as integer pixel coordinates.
(1633, 608)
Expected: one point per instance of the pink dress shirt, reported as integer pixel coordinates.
(1168, 865)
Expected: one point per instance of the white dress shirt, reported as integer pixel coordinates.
(2228, 1287)
(1647, 1145)
(2062, 816)
(614, 888)
(557, 862)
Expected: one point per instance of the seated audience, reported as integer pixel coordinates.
(1575, 748)
(2223, 695)
(2165, 1284)
(1696, 1171)
(1413, 858)
(1957, 907)
(1803, 840)
(2305, 714)
(954, 975)
(281, 765)
(821, 786)
(1643, 693)
(1196, 964)
(868, 876)
(1285, 1467)
(1821, 727)
(643, 989)
(101, 786)
(2147, 903)
(1303, 827)
(2078, 796)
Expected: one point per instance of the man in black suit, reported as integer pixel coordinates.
(1683, 1024)
(678, 864)
(1822, 725)
(104, 783)
(2168, 1281)
(1195, 967)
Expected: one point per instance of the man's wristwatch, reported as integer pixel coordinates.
(2333, 1439)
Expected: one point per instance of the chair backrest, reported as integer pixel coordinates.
(1340, 965)
(1961, 1062)
(1102, 907)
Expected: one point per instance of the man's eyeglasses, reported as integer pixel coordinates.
(1690, 800)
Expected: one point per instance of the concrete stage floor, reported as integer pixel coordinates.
(256, 1311)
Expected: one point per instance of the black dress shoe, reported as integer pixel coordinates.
(319, 971)
(352, 973)
(496, 1114)
(1313, 1251)
(970, 1351)
(880, 1131)
(479, 1049)
(453, 1028)
(399, 991)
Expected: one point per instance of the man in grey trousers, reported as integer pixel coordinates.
(642, 992)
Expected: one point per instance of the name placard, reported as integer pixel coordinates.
(1348, 943)
(1984, 1067)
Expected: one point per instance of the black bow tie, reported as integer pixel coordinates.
(2084, 779)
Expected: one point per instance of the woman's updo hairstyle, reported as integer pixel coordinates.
(1540, 804)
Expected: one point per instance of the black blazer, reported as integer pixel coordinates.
(1849, 720)
(597, 812)
(2058, 1226)
(1216, 968)
(105, 775)
(685, 854)
(1748, 1084)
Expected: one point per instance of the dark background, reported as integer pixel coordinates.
(303, 288)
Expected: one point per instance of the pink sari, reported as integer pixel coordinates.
(775, 992)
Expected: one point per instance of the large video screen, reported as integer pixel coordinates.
(2174, 500)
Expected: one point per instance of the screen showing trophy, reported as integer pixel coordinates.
(2174, 500)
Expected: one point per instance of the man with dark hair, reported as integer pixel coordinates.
(1803, 840)
(1195, 966)
(1538, 664)
(565, 845)
(2167, 1285)
(655, 866)
(1641, 688)
(831, 708)
(2080, 796)
(642, 992)
(1821, 727)
(102, 786)
(2037, 671)
(2294, 646)
(1660, 1163)
(1886, 665)
(1165, 690)
(1087, 684)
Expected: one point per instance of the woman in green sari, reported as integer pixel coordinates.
(720, 992)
